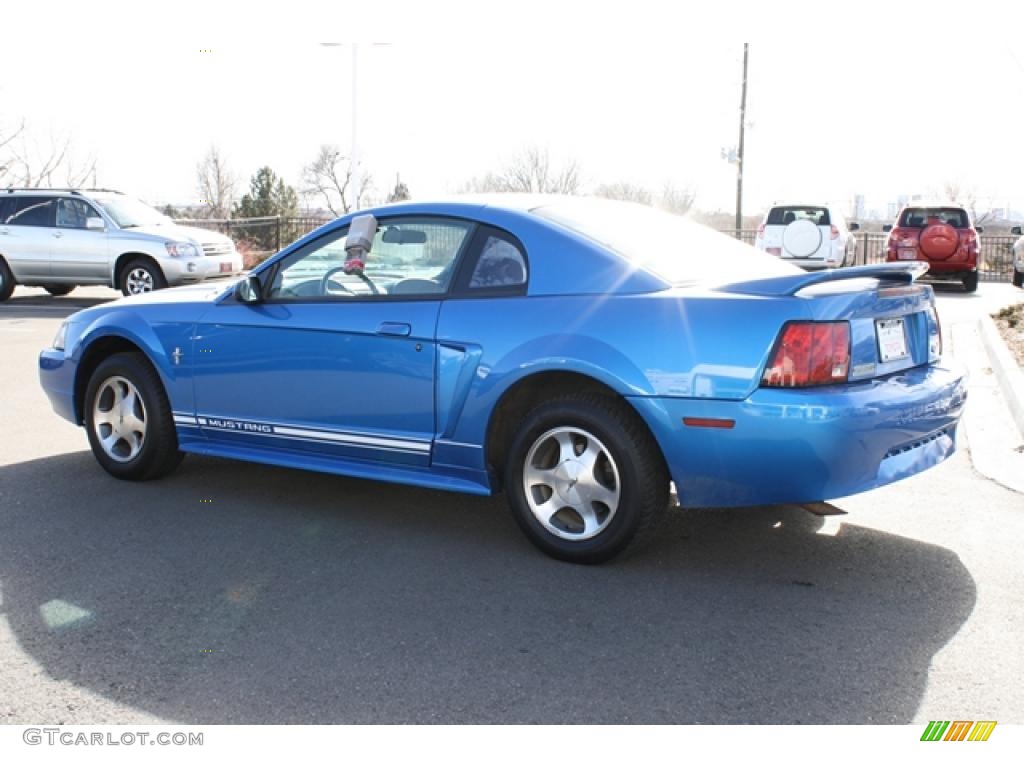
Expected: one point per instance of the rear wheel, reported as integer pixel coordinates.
(128, 419)
(971, 282)
(141, 276)
(56, 289)
(585, 478)
(6, 281)
(1018, 278)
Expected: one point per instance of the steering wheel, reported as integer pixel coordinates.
(360, 274)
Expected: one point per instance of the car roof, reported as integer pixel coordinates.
(57, 191)
(933, 204)
(803, 205)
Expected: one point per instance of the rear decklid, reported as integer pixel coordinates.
(892, 319)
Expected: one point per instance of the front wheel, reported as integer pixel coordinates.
(1018, 278)
(6, 281)
(584, 478)
(971, 282)
(141, 276)
(128, 419)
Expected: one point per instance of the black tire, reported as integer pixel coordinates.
(642, 479)
(158, 453)
(144, 271)
(6, 281)
(971, 282)
(56, 289)
(1018, 278)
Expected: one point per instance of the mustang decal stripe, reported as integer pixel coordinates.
(403, 445)
(302, 433)
(329, 441)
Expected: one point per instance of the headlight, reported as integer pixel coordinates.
(183, 250)
(62, 332)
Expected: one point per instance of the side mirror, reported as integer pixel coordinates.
(95, 222)
(979, 230)
(249, 290)
(854, 226)
(887, 227)
(1017, 231)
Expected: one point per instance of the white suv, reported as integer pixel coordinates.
(59, 239)
(810, 236)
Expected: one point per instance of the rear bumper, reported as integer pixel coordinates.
(794, 446)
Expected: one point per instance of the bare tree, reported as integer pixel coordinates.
(530, 171)
(677, 200)
(26, 163)
(7, 158)
(958, 191)
(215, 182)
(623, 190)
(400, 192)
(330, 176)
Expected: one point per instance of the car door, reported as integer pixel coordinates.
(26, 232)
(340, 358)
(77, 253)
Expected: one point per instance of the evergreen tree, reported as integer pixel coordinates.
(268, 195)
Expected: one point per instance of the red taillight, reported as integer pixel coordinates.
(809, 354)
(835, 232)
(971, 241)
(760, 230)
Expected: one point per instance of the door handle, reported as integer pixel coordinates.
(58, 233)
(394, 329)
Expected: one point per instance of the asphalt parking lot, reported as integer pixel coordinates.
(236, 593)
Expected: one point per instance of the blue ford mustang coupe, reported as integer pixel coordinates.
(578, 354)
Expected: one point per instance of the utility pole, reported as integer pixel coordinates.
(739, 154)
(353, 155)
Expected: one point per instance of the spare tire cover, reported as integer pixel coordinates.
(939, 241)
(801, 238)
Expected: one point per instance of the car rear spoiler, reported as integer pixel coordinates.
(788, 285)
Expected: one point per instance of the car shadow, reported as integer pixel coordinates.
(235, 593)
(44, 305)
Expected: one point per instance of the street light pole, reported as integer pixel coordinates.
(740, 153)
(353, 161)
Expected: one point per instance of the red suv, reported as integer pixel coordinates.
(940, 234)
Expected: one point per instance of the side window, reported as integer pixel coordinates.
(73, 213)
(8, 207)
(33, 212)
(411, 256)
(501, 264)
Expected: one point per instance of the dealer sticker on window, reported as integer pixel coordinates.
(892, 342)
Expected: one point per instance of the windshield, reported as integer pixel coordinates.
(128, 212)
(676, 249)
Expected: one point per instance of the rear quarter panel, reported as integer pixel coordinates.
(673, 343)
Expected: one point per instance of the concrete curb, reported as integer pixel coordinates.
(1005, 368)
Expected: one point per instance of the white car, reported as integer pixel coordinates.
(810, 236)
(1018, 258)
(62, 238)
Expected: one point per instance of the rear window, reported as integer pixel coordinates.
(31, 212)
(921, 217)
(787, 214)
(675, 249)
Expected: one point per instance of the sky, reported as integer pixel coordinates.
(875, 99)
